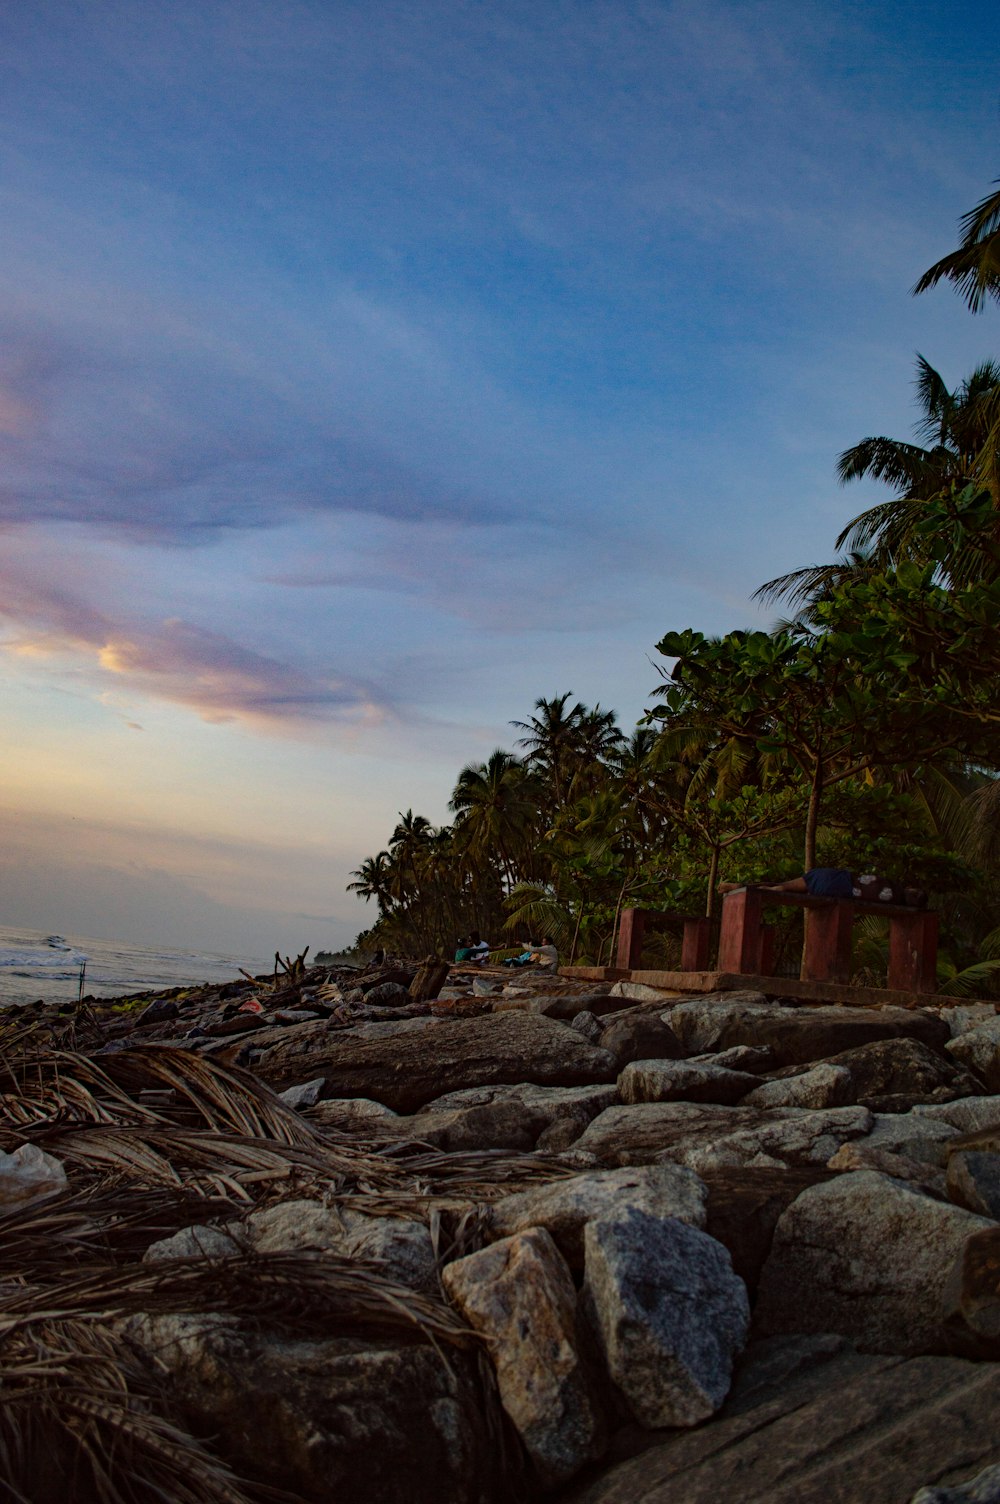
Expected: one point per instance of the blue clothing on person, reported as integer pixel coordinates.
(830, 882)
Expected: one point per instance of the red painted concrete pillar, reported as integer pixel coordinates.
(826, 955)
(765, 956)
(631, 928)
(739, 938)
(913, 942)
(694, 945)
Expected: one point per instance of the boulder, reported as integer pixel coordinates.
(865, 1256)
(861, 1156)
(564, 1207)
(305, 1095)
(388, 995)
(640, 992)
(914, 1136)
(682, 1081)
(408, 1068)
(353, 1115)
(822, 1086)
(200, 1242)
(669, 1314)
(797, 1035)
(587, 1024)
(966, 1114)
(973, 1181)
(640, 1036)
(906, 1070)
(811, 1421)
(495, 1125)
(744, 1206)
(518, 1295)
(558, 1114)
(331, 1418)
(979, 1051)
(401, 1245)
(755, 1058)
(709, 1136)
(984, 1488)
(27, 1174)
(970, 1301)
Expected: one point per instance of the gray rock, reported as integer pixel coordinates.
(865, 1256)
(682, 1081)
(755, 1058)
(588, 1025)
(973, 1181)
(823, 1086)
(402, 1245)
(669, 1313)
(564, 1207)
(912, 1135)
(388, 995)
(495, 1125)
(411, 1067)
(638, 1035)
(984, 1488)
(353, 1114)
(518, 1295)
(558, 1114)
(704, 1135)
(811, 1421)
(203, 1242)
(797, 1035)
(332, 1418)
(305, 1095)
(861, 1156)
(639, 992)
(966, 1114)
(979, 1051)
(158, 1011)
(967, 1016)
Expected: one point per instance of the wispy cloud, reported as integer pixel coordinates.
(177, 661)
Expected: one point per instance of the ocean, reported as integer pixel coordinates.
(35, 965)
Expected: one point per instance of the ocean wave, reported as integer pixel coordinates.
(24, 962)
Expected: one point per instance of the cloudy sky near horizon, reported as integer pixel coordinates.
(368, 371)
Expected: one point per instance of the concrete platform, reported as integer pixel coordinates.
(693, 983)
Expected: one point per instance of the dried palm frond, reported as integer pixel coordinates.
(80, 1421)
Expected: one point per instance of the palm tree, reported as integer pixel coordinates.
(974, 269)
(955, 427)
(373, 879)
(552, 739)
(496, 803)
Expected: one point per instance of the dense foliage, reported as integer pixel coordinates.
(863, 732)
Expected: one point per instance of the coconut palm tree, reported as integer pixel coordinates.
(496, 803)
(974, 268)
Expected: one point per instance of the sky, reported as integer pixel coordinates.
(369, 372)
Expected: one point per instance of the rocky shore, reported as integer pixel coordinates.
(485, 1237)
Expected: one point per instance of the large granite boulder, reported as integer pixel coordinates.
(797, 1035)
(682, 1081)
(973, 1181)
(564, 1207)
(544, 1107)
(865, 1256)
(640, 1035)
(519, 1296)
(893, 1075)
(744, 1206)
(965, 1114)
(970, 1300)
(407, 1067)
(707, 1136)
(821, 1086)
(811, 1421)
(330, 1418)
(669, 1314)
(979, 1051)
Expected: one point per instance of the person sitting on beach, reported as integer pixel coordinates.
(479, 950)
(838, 882)
(546, 954)
(463, 951)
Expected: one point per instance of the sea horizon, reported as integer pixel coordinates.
(47, 966)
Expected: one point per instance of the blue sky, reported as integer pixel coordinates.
(367, 372)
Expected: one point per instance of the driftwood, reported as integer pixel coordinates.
(430, 978)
